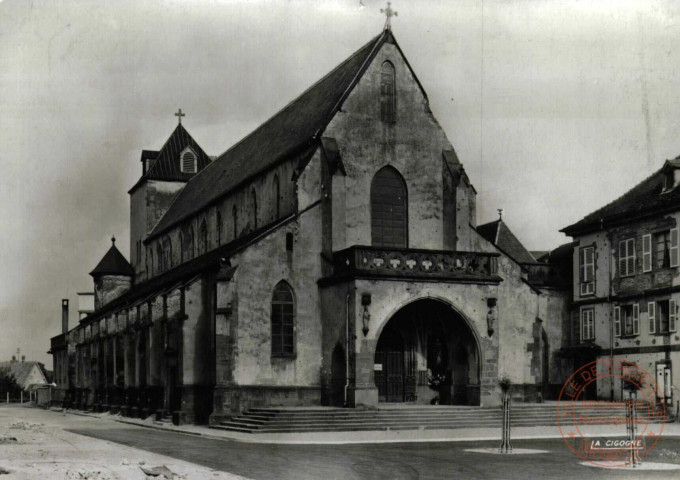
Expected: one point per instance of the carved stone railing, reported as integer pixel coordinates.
(395, 262)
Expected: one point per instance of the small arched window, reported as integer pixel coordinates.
(276, 192)
(188, 161)
(389, 209)
(387, 93)
(283, 321)
(253, 210)
(234, 220)
(187, 243)
(218, 227)
(203, 238)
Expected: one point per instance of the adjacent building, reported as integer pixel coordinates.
(626, 284)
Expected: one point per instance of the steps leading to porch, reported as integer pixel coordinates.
(412, 417)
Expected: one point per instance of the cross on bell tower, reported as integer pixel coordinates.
(389, 13)
(179, 115)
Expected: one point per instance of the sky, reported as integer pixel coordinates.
(555, 108)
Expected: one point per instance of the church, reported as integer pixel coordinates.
(331, 257)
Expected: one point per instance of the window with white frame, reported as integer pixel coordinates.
(662, 316)
(587, 270)
(627, 320)
(627, 257)
(587, 324)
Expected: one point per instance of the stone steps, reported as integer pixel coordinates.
(316, 419)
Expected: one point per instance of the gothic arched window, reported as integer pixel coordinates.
(234, 220)
(159, 254)
(389, 209)
(253, 210)
(283, 321)
(203, 238)
(187, 243)
(387, 93)
(276, 192)
(167, 254)
(218, 227)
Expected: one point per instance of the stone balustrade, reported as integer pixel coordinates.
(402, 262)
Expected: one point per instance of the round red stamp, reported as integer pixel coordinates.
(618, 432)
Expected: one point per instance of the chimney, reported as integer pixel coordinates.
(23, 358)
(64, 315)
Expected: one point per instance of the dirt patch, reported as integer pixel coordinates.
(32, 427)
(670, 456)
(90, 475)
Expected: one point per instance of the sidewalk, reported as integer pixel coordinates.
(382, 436)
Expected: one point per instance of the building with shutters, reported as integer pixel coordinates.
(331, 257)
(626, 283)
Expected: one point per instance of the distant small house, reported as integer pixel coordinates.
(29, 375)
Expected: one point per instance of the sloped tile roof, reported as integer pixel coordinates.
(113, 263)
(21, 370)
(645, 198)
(166, 165)
(292, 129)
(500, 235)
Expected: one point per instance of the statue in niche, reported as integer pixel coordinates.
(491, 316)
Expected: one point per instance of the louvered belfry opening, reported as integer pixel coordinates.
(189, 162)
(389, 221)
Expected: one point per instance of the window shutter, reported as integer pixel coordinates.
(622, 258)
(646, 253)
(651, 316)
(672, 316)
(631, 257)
(617, 321)
(636, 319)
(674, 248)
(581, 265)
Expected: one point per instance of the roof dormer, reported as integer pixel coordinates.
(671, 175)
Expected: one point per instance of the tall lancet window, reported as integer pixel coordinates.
(234, 220)
(387, 93)
(253, 210)
(203, 238)
(389, 209)
(277, 197)
(218, 227)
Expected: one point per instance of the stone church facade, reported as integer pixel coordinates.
(331, 257)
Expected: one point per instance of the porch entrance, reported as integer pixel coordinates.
(427, 354)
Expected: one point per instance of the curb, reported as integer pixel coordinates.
(339, 442)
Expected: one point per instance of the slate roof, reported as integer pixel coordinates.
(292, 130)
(184, 272)
(21, 370)
(113, 263)
(644, 199)
(500, 235)
(166, 165)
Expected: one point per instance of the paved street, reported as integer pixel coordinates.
(52, 445)
(378, 461)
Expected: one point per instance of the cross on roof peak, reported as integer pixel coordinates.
(179, 115)
(389, 13)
